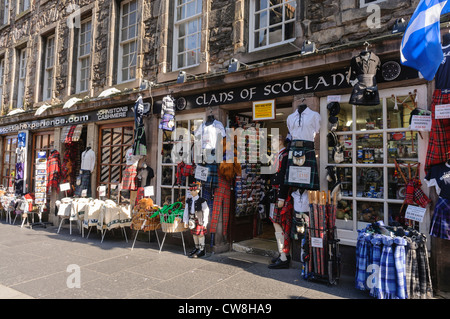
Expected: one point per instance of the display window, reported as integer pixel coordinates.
(176, 147)
(9, 160)
(373, 139)
(115, 140)
(42, 142)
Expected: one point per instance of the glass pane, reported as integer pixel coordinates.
(275, 34)
(395, 216)
(166, 196)
(105, 154)
(396, 185)
(167, 136)
(398, 114)
(346, 141)
(128, 134)
(106, 136)
(260, 39)
(191, 57)
(179, 193)
(403, 146)
(369, 117)
(116, 155)
(369, 148)
(167, 153)
(345, 175)
(344, 215)
(369, 182)
(289, 31)
(261, 4)
(181, 62)
(345, 117)
(276, 15)
(166, 178)
(369, 212)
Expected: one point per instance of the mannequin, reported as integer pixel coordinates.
(303, 125)
(196, 213)
(87, 166)
(362, 74)
(281, 213)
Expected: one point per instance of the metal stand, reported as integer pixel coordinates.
(40, 223)
(182, 238)
(149, 238)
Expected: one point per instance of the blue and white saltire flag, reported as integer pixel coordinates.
(421, 44)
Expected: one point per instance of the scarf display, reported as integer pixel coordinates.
(53, 170)
(392, 266)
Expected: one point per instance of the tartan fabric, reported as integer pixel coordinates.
(139, 195)
(425, 283)
(412, 269)
(53, 170)
(198, 230)
(222, 200)
(140, 141)
(439, 138)
(361, 260)
(377, 242)
(283, 217)
(69, 135)
(311, 161)
(440, 222)
(184, 170)
(85, 183)
(387, 269)
(400, 261)
(129, 180)
(208, 194)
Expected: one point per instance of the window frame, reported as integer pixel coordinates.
(176, 27)
(347, 236)
(4, 15)
(23, 5)
(364, 3)
(2, 79)
(81, 58)
(49, 69)
(11, 165)
(22, 58)
(128, 41)
(253, 30)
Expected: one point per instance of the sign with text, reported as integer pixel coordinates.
(201, 173)
(264, 110)
(415, 213)
(442, 111)
(421, 123)
(148, 191)
(64, 187)
(299, 175)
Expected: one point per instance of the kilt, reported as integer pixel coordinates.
(440, 223)
(129, 180)
(439, 140)
(198, 230)
(283, 217)
(310, 161)
(85, 177)
(213, 177)
(222, 199)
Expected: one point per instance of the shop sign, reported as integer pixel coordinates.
(72, 119)
(331, 80)
(264, 110)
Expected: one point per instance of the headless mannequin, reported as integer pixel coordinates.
(301, 108)
(210, 120)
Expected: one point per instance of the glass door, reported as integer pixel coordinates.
(373, 138)
(176, 147)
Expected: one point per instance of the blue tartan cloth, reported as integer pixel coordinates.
(361, 260)
(400, 265)
(377, 242)
(440, 223)
(387, 269)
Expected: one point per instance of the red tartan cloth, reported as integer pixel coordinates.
(53, 171)
(283, 217)
(439, 142)
(222, 199)
(129, 180)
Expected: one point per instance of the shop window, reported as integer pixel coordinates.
(21, 72)
(49, 63)
(176, 146)
(23, 5)
(128, 41)
(374, 138)
(115, 140)
(9, 160)
(84, 56)
(271, 23)
(4, 12)
(2, 80)
(42, 142)
(187, 33)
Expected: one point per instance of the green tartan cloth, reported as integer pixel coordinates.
(310, 161)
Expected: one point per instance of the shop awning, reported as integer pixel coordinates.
(42, 109)
(109, 92)
(71, 102)
(16, 111)
(71, 133)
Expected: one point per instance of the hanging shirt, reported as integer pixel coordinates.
(209, 134)
(442, 78)
(304, 126)
(132, 159)
(301, 201)
(439, 177)
(88, 160)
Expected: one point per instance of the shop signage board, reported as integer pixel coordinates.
(264, 110)
(119, 112)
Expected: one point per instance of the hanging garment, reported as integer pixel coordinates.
(364, 68)
(88, 160)
(387, 269)
(361, 260)
(53, 170)
(377, 244)
(167, 122)
(412, 269)
(222, 201)
(439, 137)
(400, 261)
(283, 217)
(304, 125)
(85, 184)
(302, 155)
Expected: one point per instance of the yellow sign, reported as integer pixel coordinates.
(264, 110)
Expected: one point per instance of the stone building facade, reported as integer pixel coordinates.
(225, 30)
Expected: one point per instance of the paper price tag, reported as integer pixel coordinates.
(415, 213)
(201, 173)
(102, 191)
(64, 187)
(299, 174)
(442, 111)
(148, 191)
(316, 242)
(84, 193)
(333, 98)
(421, 123)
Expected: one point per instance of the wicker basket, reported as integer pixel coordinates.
(176, 227)
(145, 221)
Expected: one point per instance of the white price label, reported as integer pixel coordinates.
(201, 173)
(102, 191)
(442, 111)
(316, 242)
(64, 187)
(299, 174)
(421, 123)
(148, 191)
(415, 213)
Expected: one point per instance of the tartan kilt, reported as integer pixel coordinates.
(198, 230)
(439, 140)
(310, 161)
(129, 180)
(440, 223)
(85, 183)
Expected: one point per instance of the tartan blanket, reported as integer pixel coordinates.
(361, 260)
(387, 270)
(53, 170)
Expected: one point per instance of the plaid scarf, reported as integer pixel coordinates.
(361, 260)
(53, 170)
(412, 270)
(387, 269)
(400, 261)
(424, 268)
(377, 242)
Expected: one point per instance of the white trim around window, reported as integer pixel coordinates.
(49, 66)
(84, 56)
(2, 79)
(187, 33)
(22, 65)
(128, 31)
(271, 23)
(22, 5)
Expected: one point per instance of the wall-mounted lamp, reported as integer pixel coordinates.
(182, 77)
(399, 26)
(145, 85)
(308, 47)
(235, 64)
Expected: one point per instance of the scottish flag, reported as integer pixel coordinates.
(421, 44)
